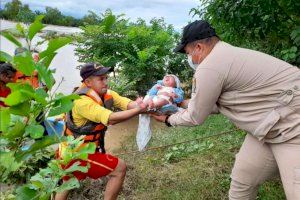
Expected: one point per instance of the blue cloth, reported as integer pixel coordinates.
(168, 109)
(178, 91)
(58, 126)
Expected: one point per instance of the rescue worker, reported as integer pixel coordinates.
(259, 94)
(7, 74)
(90, 116)
(20, 77)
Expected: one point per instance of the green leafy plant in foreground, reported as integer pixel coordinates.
(22, 135)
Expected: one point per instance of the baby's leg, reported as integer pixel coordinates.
(148, 101)
(160, 102)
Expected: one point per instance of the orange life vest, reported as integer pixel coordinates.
(32, 80)
(94, 132)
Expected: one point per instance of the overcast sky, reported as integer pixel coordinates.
(175, 12)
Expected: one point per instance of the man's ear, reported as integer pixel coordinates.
(200, 46)
(87, 82)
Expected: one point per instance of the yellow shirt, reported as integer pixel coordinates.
(86, 109)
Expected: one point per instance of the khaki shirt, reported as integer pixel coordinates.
(257, 92)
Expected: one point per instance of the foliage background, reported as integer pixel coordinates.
(139, 52)
(270, 26)
(17, 11)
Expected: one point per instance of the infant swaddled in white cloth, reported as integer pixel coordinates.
(162, 98)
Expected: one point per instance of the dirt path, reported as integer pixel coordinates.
(117, 134)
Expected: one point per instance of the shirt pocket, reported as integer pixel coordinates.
(281, 111)
(267, 124)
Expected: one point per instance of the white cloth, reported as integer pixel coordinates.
(144, 133)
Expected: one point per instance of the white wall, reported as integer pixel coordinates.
(65, 61)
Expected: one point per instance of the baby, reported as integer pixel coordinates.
(162, 98)
(165, 93)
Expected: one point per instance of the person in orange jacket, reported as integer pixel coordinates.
(7, 74)
(20, 77)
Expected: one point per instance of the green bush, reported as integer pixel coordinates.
(22, 137)
(269, 26)
(139, 52)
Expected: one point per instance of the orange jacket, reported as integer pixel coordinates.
(32, 80)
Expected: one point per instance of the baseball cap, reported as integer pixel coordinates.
(93, 69)
(196, 30)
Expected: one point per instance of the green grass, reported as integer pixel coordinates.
(196, 170)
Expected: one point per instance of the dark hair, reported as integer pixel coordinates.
(6, 68)
(207, 41)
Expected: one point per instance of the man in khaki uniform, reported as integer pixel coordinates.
(259, 94)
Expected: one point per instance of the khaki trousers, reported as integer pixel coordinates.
(258, 161)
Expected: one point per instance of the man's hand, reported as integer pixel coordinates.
(160, 118)
(151, 104)
(184, 104)
(139, 100)
(136, 104)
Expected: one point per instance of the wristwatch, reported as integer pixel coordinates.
(166, 121)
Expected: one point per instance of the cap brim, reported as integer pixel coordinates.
(179, 48)
(102, 71)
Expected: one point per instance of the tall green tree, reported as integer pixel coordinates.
(53, 16)
(90, 18)
(25, 14)
(266, 25)
(141, 52)
(11, 9)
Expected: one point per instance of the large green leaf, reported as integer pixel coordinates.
(25, 63)
(21, 30)
(76, 167)
(41, 95)
(48, 59)
(39, 144)
(4, 119)
(70, 97)
(11, 38)
(68, 185)
(16, 131)
(22, 109)
(62, 104)
(45, 74)
(54, 45)
(16, 98)
(21, 86)
(5, 57)
(35, 131)
(85, 150)
(25, 192)
(35, 27)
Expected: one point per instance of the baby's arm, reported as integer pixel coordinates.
(180, 95)
(153, 91)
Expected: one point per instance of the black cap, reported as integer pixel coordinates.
(93, 69)
(196, 30)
